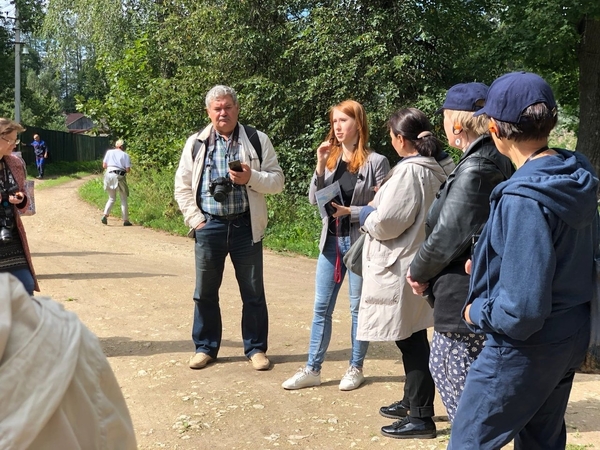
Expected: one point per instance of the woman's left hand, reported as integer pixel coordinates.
(16, 198)
(341, 210)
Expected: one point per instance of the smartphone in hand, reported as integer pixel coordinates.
(236, 166)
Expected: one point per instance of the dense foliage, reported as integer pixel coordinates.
(142, 67)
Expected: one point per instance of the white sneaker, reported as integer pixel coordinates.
(302, 379)
(352, 379)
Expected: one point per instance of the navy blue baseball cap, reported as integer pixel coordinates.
(514, 92)
(464, 97)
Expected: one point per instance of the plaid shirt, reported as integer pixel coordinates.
(216, 164)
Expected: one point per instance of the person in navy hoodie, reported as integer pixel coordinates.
(531, 279)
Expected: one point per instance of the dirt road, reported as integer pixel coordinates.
(133, 288)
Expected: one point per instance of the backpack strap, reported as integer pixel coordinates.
(196, 147)
(254, 140)
(252, 136)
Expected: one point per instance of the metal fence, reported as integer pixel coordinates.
(63, 146)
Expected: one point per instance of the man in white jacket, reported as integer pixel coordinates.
(57, 389)
(223, 174)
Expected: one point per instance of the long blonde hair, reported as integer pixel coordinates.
(355, 110)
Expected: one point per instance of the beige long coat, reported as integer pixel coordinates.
(389, 311)
(57, 389)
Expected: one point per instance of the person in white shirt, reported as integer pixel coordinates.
(117, 164)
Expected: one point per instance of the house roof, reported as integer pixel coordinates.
(73, 117)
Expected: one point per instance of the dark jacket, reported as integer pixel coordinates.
(532, 274)
(460, 211)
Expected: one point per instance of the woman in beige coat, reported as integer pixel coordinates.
(389, 310)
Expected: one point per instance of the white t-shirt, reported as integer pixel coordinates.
(117, 159)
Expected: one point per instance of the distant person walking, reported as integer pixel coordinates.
(41, 154)
(117, 164)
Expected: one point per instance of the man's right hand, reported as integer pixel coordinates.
(201, 225)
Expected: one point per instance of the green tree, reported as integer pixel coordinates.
(39, 105)
(290, 63)
(560, 40)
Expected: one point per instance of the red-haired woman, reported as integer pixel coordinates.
(346, 158)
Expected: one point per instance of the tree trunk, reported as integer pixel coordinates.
(588, 139)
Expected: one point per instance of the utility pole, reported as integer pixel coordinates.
(17, 65)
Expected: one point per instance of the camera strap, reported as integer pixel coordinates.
(7, 180)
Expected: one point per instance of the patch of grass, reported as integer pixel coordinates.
(51, 182)
(69, 170)
(294, 225)
(578, 447)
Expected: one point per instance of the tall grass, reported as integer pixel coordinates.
(294, 225)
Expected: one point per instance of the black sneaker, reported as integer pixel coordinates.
(396, 410)
(127, 223)
(405, 429)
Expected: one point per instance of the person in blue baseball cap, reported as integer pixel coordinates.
(531, 279)
(455, 218)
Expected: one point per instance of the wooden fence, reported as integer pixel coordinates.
(63, 146)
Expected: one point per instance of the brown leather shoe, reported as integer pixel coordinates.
(260, 361)
(200, 360)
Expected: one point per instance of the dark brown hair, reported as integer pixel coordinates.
(537, 121)
(410, 123)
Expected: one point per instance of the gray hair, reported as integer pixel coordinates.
(220, 91)
(119, 143)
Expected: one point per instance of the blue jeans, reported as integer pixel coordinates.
(39, 164)
(217, 239)
(326, 292)
(25, 277)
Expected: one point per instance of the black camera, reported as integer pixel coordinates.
(219, 188)
(7, 217)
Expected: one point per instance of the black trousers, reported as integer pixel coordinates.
(419, 390)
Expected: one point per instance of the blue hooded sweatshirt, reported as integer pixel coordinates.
(532, 273)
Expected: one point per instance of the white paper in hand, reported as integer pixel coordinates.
(325, 195)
